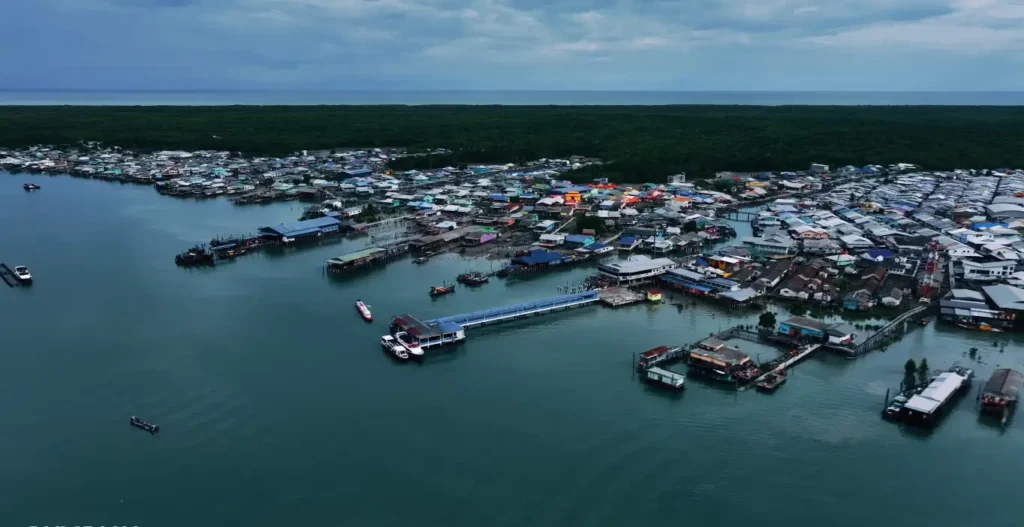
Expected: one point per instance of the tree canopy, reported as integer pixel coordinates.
(638, 143)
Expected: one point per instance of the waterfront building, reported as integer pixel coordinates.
(988, 271)
(636, 269)
(298, 230)
(771, 244)
(802, 327)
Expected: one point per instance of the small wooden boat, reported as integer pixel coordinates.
(22, 274)
(393, 347)
(440, 290)
(924, 321)
(421, 260)
(149, 427)
(364, 311)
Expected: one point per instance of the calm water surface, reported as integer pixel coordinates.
(277, 407)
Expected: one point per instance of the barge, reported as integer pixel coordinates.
(149, 427)
(929, 405)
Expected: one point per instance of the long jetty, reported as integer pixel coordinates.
(518, 311)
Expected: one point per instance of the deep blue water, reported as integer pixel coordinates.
(768, 98)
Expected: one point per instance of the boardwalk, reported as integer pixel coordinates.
(517, 311)
(785, 365)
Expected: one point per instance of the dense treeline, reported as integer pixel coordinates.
(643, 143)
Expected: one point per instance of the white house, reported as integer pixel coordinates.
(892, 297)
(957, 252)
(988, 271)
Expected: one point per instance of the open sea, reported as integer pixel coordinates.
(522, 97)
(277, 406)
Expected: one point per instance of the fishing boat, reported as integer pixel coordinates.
(149, 427)
(392, 346)
(29, 187)
(421, 260)
(364, 311)
(22, 274)
(440, 290)
(473, 278)
(409, 343)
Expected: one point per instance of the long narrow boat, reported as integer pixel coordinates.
(364, 311)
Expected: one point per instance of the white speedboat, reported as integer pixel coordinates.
(409, 343)
(22, 274)
(392, 346)
(364, 310)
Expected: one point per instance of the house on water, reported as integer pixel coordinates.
(802, 327)
(300, 230)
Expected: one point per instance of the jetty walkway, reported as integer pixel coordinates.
(517, 311)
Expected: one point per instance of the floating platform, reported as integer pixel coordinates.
(619, 296)
(8, 276)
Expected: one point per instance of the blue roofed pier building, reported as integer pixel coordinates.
(301, 231)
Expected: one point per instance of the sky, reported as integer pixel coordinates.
(805, 45)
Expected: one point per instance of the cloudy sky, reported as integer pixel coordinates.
(513, 44)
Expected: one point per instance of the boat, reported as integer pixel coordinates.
(409, 343)
(149, 427)
(440, 290)
(364, 310)
(22, 274)
(421, 260)
(473, 278)
(29, 187)
(391, 346)
(770, 382)
(924, 321)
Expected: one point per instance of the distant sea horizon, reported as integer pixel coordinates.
(505, 97)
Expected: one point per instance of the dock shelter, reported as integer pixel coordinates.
(305, 229)
(430, 333)
(356, 259)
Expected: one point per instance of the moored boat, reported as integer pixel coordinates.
(421, 260)
(440, 290)
(473, 278)
(149, 427)
(391, 346)
(22, 274)
(409, 343)
(364, 311)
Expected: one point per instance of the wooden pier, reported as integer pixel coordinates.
(8, 276)
(785, 365)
